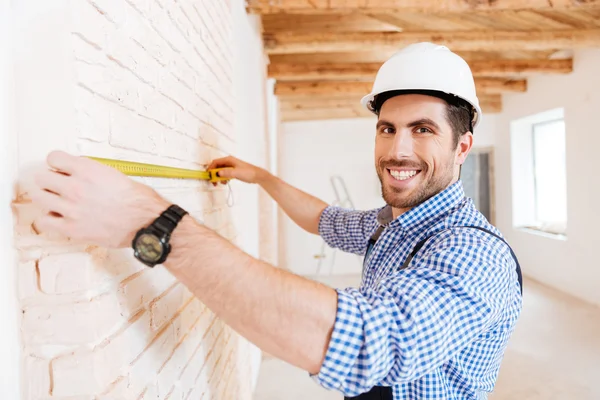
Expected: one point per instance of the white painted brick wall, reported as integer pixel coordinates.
(153, 82)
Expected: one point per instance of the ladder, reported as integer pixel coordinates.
(342, 199)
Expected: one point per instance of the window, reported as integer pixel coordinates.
(539, 173)
(477, 175)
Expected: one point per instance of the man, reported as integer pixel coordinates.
(441, 290)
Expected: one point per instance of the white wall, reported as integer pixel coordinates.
(10, 370)
(108, 79)
(251, 133)
(250, 124)
(571, 265)
(485, 133)
(313, 151)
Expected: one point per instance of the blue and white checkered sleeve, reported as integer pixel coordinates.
(418, 319)
(347, 230)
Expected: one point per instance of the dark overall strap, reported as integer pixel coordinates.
(376, 393)
(422, 242)
(385, 392)
(374, 237)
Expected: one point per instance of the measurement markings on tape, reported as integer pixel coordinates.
(132, 168)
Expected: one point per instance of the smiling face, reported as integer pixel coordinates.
(415, 153)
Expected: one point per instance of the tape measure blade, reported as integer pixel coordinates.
(132, 168)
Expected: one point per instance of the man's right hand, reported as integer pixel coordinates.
(241, 170)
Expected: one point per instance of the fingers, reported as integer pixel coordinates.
(50, 201)
(62, 161)
(221, 163)
(52, 181)
(226, 173)
(50, 223)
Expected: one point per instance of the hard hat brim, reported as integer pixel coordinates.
(367, 100)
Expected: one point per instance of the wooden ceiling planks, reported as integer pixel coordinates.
(316, 108)
(325, 22)
(576, 19)
(360, 88)
(390, 21)
(285, 43)
(367, 71)
(379, 56)
(324, 54)
(322, 88)
(313, 114)
(346, 6)
(346, 100)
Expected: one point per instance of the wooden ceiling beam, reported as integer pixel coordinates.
(489, 40)
(344, 88)
(337, 71)
(508, 68)
(380, 56)
(499, 85)
(298, 108)
(386, 6)
(299, 101)
(315, 111)
(303, 102)
(322, 88)
(327, 22)
(362, 71)
(323, 114)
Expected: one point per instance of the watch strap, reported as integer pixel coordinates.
(168, 219)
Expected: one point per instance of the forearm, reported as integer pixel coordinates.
(283, 314)
(303, 208)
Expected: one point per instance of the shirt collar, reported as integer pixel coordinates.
(433, 207)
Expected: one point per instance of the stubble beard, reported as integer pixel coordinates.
(428, 188)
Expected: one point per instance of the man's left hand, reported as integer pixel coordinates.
(90, 202)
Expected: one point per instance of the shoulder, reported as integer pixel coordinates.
(477, 240)
(467, 228)
(464, 239)
(471, 255)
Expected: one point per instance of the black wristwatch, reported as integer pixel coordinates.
(151, 244)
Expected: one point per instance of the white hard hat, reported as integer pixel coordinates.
(426, 67)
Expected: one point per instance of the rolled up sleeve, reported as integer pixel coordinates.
(347, 341)
(347, 230)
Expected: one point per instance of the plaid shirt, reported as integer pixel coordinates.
(436, 330)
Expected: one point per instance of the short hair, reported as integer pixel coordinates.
(459, 113)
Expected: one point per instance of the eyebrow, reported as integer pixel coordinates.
(421, 121)
(424, 121)
(383, 122)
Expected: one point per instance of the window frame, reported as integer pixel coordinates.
(524, 178)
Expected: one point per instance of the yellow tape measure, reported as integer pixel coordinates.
(132, 168)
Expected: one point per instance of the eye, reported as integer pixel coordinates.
(423, 129)
(387, 130)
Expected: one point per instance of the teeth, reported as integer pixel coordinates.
(402, 175)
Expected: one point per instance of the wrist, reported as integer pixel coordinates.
(187, 242)
(262, 176)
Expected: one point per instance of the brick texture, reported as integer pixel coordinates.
(153, 83)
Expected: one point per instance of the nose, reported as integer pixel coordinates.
(402, 145)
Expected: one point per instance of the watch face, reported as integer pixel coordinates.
(149, 247)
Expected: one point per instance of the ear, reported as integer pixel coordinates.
(465, 143)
